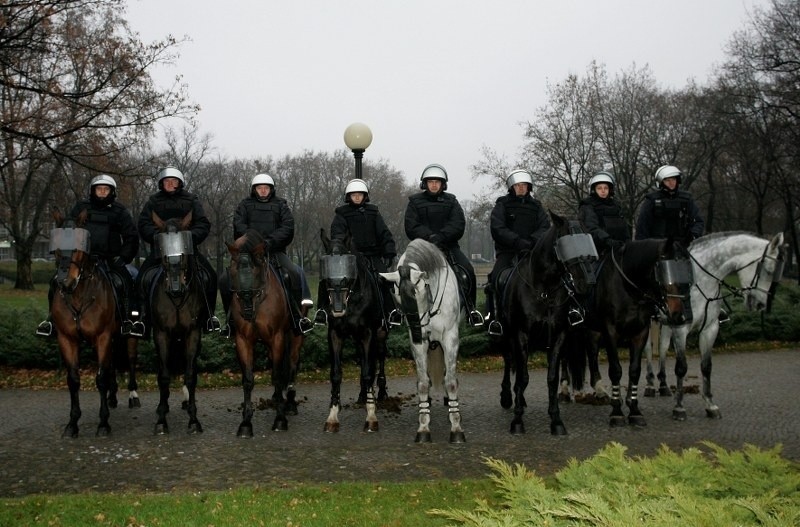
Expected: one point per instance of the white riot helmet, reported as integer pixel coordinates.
(261, 179)
(170, 171)
(602, 177)
(103, 179)
(356, 185)
(433, 171)
(519, 176)
(667, 171)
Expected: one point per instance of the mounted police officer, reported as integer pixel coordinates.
(269, 214)
(371, 237)
(114, 239)
(173, 201)
(669, 211)
(436, 216)
(601, 214)
(517, 222)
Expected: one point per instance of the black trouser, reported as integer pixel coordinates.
(503, 261)
(462, 261)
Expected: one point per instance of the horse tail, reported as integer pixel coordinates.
(577, 345)
(436, 366)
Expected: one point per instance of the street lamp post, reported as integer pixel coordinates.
(358, 137)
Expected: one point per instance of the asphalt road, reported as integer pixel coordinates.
(753, 390)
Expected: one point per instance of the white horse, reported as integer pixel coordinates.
(757, 262)
(427, 293)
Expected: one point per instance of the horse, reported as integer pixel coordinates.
(757, 262)
(540, 301)
(83, 309)
(635, 282)
(176, 301)
(426, 290)
(259, 311)
(354, 311)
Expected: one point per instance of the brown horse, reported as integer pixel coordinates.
(177, 301)
(83, 310)
(259, 310)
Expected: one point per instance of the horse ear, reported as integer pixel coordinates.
(58, 217)
(394, 276)
(326, 242)
(186, 222)
(776, 241)
(557, 220)
(157, 221)
(82, 217)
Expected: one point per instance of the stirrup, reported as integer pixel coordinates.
(574, 317)
(137, 329)
(321, 317)
(126, 327)
(395, 318)
(305, 325)
(475, 318)
(723, 317)
(495, 328)
(212, 324)
(225, 331)
(45, 329)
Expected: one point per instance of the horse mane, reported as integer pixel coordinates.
(425, 255)
(641, 254)
(714, 237)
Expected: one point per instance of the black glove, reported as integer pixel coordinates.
(435, 239)
(387, 262)
(267, 246)
(117, 262)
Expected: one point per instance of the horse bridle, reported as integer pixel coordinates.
(415, 320)
(250, 296)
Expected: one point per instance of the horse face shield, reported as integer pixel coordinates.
(66, 243)
(339, 271)
(675, 279)
(577, 249)
(175, 248)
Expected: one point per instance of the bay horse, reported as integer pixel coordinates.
(426, 289)
(83, 309)
(176, 301)
(758, 264)
(259, 311)
(635, 282)
(541, 301)
(354, 311)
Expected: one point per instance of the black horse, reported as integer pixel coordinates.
(540, 302)
(635, 283)
(354, 311)
(177, 301)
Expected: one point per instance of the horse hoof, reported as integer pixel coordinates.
(679, 414)
(505, 400)
(458, 437)
(280, 425)
(70, 431)
(558, 429)
(649, 392)
(112, 402)
(195, 428)
(616, 421)
(665, 391)
(370, 426)
(713, 413)
(517, 428)
(103, 431)
(637, 420)
(331, 428)
(245, 430)
(423, 437)
(161, 429)
(134, 402)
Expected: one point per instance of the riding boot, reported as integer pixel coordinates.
(127, 324)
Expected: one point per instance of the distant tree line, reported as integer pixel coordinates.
(77, 99)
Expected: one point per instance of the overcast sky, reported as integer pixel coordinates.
(434, 80)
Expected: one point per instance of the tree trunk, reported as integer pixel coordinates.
(24, 274)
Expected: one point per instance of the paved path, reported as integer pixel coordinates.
(754, 391)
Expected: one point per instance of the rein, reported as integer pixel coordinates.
(431, 300)
(657, 302)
